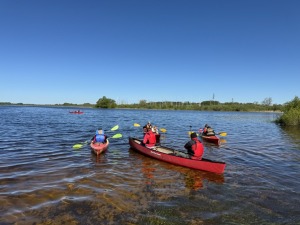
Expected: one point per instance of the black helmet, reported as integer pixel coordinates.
(193, 135)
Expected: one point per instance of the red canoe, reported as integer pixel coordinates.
(212, 139)
(177, 157)
(99, 147)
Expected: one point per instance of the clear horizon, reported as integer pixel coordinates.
(71, 51)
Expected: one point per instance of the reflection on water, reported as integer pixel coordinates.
(293, 132)
(43, 180)
(193, 178)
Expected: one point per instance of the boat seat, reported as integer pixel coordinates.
(162, 150)
(166, 151)
(137, 141)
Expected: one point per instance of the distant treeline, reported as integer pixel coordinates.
(65, 104)
(169, 105)
(290, 116)
(9, 103)
(203, 106)
(266, 105)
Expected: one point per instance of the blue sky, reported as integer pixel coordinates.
(160, 50)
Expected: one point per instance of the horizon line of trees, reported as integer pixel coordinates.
(266, 105)
(290, 116)
(211, 105)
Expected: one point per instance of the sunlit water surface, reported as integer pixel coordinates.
(43, 180)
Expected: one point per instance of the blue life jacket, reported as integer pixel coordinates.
(100, 138)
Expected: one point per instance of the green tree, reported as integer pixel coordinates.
(267, 102)
(143, 103)
(106, 103)
(294, 104)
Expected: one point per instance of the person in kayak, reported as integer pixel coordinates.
(99, 136)
(194, 147)
(208, 131)
(149, 138)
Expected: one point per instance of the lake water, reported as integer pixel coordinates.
(43, 180)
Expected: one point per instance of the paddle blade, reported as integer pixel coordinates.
(163, 130)
(80, 145)
(77, 146)
(117, 136)
(223, 141)
(136, 125)
(223, 134)
(115, 128)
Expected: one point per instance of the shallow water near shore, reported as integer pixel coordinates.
(43, 180)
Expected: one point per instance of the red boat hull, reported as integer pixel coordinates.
(171, 156)
(98, 147)
(211, 139)
(76, 112)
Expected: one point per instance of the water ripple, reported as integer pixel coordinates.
(43, 180)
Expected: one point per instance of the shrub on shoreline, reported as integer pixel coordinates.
(291, 113)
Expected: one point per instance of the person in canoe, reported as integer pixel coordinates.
(99, 136)
(208, 131)
(154, 130)
(149, 138)
(194, 147)
(146, 127)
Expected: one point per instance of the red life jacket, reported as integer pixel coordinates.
(198, 149)
(149, 139)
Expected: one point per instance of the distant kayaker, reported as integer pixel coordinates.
(99, 136)
(194, 147)
(149, 138)
(208, 131)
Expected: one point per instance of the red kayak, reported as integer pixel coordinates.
(76, 112)
(212, 139)
(99, 147)
(177, 157)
